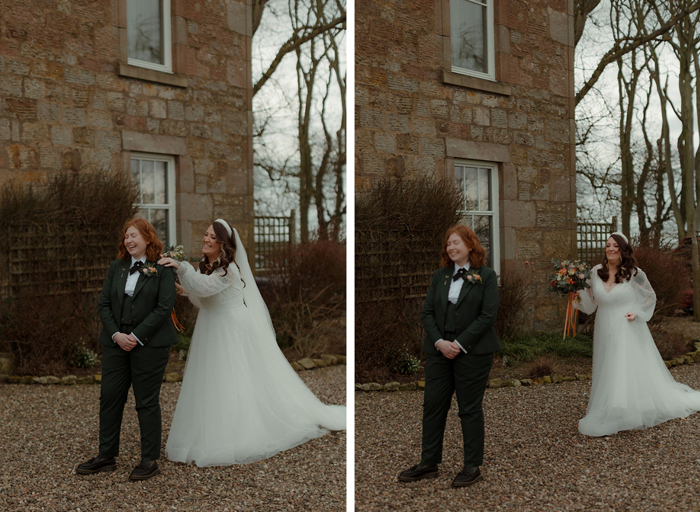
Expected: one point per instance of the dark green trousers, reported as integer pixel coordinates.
(467, 375)
(143, 368)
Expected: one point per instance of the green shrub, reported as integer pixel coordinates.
(83, 357)
(526, 347)
(407, 364)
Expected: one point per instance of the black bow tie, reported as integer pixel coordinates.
(136, 267)
(460, 273)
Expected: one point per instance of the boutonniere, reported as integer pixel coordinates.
(149, 269)
(473, 277)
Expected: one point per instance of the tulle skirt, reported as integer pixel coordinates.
(631, 388)
(241, 401)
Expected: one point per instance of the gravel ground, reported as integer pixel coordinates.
(535, 459)
(45, 431)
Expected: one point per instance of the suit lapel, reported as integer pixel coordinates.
(121, 281)
(466, 288)
(140, 282)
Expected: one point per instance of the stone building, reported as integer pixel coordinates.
(480, 92)
(160, 90)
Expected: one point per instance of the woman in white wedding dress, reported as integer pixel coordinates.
(241, 401)
(631, 387)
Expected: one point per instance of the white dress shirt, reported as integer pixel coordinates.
(453, 295)
(130, 287)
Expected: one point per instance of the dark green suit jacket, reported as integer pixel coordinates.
(476, 311)
(153, 301)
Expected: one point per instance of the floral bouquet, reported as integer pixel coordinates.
(178, 254)
(569, 277)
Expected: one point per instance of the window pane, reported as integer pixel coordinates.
(145, 30)
(468, 25)
(159, 219)
(136, 175)
(484, 190)
(147, 182)
(483, 227)
(161, 182)
(466, 180)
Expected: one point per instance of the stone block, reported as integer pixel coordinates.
(62, 135)
(341, 359)
(172, 377)
(391, 386)
(109, 140)
(74, 116)
(547, 379)
(556, 379)
(296, 366)
(329, 359)
(385, 141)
(176, 110)
(495, 383)
(569, 378)
(69, 380)
(511, 383)
(526, 382)
(7, 363)
(319, 363)
(519, 214)
(408, 387)
(27, 379)
(306, 363)
(84, 380)
(12, 379)
(158, 108)
(553, 215)
(97, 378)
(421, 384)
(481, 116)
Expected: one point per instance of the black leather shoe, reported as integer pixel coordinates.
(96, 465)
(467, 477)
(145, 470)
(418, 472)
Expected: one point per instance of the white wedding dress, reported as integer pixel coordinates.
(241, 401)
(631, 388)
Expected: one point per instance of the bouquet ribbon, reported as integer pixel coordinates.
(571, 317)
(178, 326)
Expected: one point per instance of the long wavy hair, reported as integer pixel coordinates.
(148, 232)
(477, 254)
(227, 254)
(628, 263)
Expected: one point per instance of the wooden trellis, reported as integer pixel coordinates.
(272, 234)
(591, 238)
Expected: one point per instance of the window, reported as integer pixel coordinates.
(155, 179)
(472, 39)
(478, 184)
(148, 33)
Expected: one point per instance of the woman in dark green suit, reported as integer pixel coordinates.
(135, 305)
(458, 317)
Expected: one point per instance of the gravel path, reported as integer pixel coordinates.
(535, 459)
(45, 431)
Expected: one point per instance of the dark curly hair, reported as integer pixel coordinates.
(227, 255)
(628, 264)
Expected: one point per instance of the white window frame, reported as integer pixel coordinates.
(167, 66)
(495, 249)
(490, 42)
(170, 206)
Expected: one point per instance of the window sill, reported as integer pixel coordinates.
(151, 75)
(471, 82)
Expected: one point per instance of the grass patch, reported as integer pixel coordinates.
(527, 347)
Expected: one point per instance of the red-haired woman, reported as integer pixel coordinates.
(135, 305)
(631, 387)
(458, 317)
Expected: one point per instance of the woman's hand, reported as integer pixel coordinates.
(179, 289)
(169, 262)
(125, 341)
(630, 317)
(449, 349)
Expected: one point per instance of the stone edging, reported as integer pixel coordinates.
(689, 358)
(69, 380)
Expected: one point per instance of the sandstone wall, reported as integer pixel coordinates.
(69, 100)
(414, 116)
